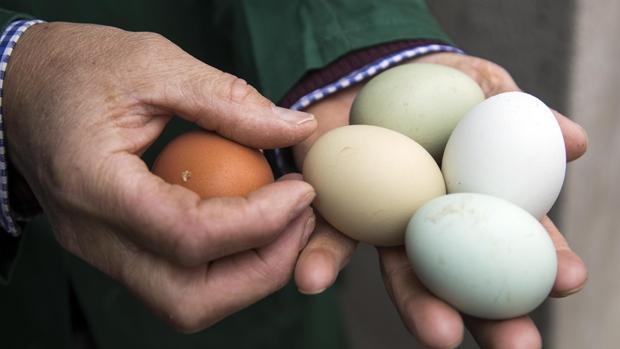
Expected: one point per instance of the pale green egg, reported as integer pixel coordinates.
(485, 256)
(420, 100)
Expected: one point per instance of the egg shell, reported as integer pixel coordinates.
(509, 146)
(485, 256)
(212, 166)
(420, 100)
(370, 180)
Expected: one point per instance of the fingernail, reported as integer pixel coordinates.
(308, 229)
(311, 293)
(455, 344)
(568, 293)
(292, 116)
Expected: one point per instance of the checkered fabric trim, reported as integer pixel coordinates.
(370, 70)
(8, 39)
(283, 163)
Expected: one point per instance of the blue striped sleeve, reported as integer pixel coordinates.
(8, 40)
(281, 159)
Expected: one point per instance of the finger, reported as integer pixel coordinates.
(492, 78)
(505, 334)
(255, 274)
(174, 222)
(319, 264)
(572, 272)
(193, 299)
(575, 137)
(497, 80)
(226, 104)
(434, 323)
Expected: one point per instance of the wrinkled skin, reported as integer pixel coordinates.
(101, 96)
(434, 323)
(82, 102)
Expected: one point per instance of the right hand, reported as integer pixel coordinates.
(434, 322)
(82, 102)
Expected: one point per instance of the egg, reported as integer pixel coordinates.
(420, 100)
(509, 146)
(370, 181)
(212, 166)
(485, 256)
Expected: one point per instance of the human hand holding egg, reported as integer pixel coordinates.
(432, 320)
(76, 129)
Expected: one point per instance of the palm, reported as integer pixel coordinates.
(433, 321)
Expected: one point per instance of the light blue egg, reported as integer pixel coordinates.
(485, 256)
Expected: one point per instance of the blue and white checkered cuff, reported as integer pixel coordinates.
(8, 39)
(281, 158)
(369, 71)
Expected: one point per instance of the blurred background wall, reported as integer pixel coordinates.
(564, 52)
(590, 212)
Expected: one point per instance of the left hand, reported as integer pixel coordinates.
(82, 102)
(434, 322)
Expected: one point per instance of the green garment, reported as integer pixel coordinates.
(271, 44)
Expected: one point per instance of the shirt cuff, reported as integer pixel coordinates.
(349, 70)
(8, 40)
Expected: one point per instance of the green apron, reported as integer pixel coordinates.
(271, 44)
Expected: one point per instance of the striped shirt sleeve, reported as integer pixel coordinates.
(281, 160)
(8, 40)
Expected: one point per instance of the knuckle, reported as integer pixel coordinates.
(273, 221)
(272, 224)
(407, 310)
(185, 319)
(278, 277)
(191, 248)
(147, 48)
(281, 275)
(274, 275)
(151, 39)
(393, 274)
(236, 90)
(188, 252)
(500, 77)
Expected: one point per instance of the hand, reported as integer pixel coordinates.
(82, 102)
(434, 322)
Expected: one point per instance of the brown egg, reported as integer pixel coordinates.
(212, 166)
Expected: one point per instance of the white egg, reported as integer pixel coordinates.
(485, 256)
(509, 146)
(370, 180)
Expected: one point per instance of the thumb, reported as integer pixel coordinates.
(226, 104)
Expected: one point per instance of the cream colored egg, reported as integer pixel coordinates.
(422, 101)
(370, 181)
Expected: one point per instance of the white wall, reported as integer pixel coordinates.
(591, 210)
